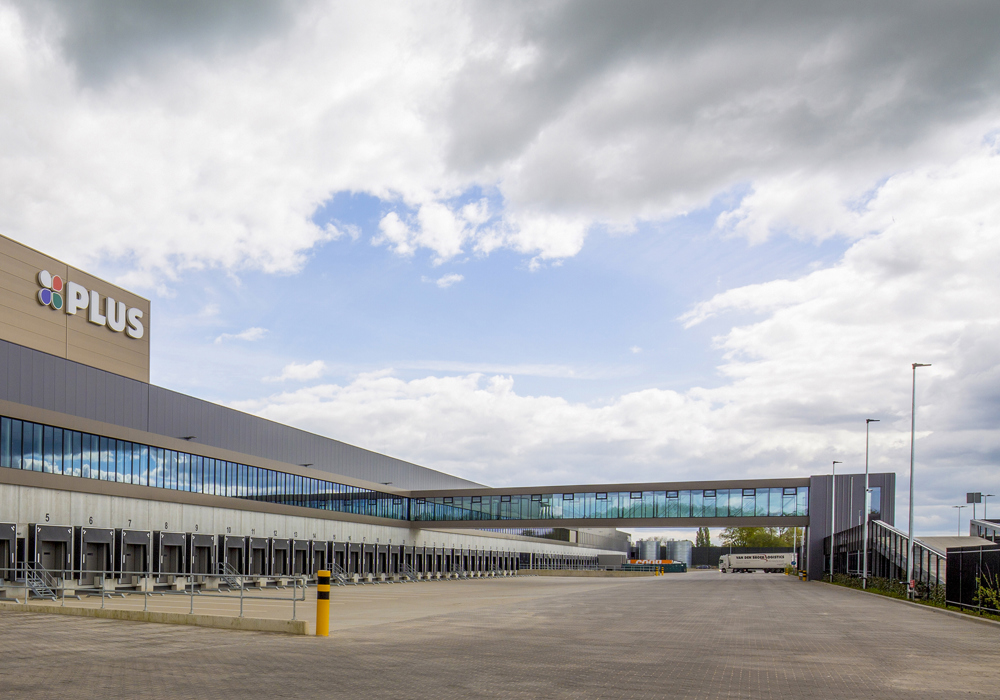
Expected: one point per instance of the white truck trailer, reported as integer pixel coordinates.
(748, 563)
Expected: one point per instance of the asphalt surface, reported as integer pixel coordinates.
(696, 635)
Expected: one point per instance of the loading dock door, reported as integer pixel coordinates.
(51, 548)
(394, 563)
(201, 549)
(172, 559)
(95, 554)
(6, 556)
(355, 562)
(319, 558)
(300, 557)
(8, 539)
(234, 557)
(51, 555)
(94, 548)
(134, 548)
(201, 561)
(134, 559)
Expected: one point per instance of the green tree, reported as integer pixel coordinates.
(703, 538)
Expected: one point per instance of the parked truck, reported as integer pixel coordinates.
(748, 563)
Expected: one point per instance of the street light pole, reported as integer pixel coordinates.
(833, 513)
(913, 427)
(959, 519)
(985, 496)
(864, 530)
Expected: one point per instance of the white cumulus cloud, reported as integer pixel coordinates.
(250, 334)
(827, 351)
(300, 372)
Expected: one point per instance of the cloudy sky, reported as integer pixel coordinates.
(539, 243)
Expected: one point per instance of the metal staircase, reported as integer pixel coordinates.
(339, 575)
(39, 582)
(230, 576)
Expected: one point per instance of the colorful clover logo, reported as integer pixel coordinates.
(51, 292)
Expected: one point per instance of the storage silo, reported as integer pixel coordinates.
(680, 550)
(649, 549)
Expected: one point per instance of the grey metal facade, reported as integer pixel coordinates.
(850, 505)
(45, 381)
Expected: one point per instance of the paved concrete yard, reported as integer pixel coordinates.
(698, 635)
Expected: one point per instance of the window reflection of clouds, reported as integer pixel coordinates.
(32, 446)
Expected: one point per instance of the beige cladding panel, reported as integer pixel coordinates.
(23, 320)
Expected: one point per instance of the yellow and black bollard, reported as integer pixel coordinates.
(322, 603)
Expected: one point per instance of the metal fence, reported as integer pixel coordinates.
(887, 553)
(32, 582)
(974, 578)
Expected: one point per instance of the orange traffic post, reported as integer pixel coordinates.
(322, 603)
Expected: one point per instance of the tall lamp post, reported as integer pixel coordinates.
(985, 496)
(864, 529)
(833, 513)
(913, 427)
(959, 518)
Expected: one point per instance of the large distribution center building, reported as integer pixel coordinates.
(104, 472)
(104, 477)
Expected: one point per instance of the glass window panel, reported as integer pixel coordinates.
(197, 474)
(4, 442)
(120, 461)
(761, 502)
(78, 454)
(169, 469)
(156, 471)
(48, 439)
(211, 476)
(876, 501)
(16, 436)
(106, 457)
(697, 504)
(673, 503)
(144, 465)
(57, 451)
(788, 502)
(95, 457)
(774, 501)
(183, 472)
(708, 504)
(36, 446)
(134, 457)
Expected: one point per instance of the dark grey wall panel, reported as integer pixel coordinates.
(45, 381)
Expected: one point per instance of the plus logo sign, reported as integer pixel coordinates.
(51, 292)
